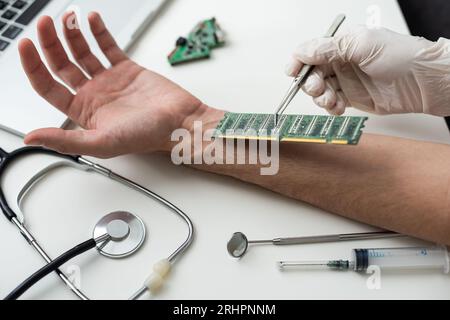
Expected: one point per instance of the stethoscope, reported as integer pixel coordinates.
(116, 235)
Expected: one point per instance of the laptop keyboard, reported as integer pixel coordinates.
(15, 15)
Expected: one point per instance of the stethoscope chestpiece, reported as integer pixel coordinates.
(127, 234)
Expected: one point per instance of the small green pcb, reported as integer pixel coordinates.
(206, 36)
(292, 128)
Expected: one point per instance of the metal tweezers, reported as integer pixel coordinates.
(304, 73)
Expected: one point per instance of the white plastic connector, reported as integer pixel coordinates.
(154, 283)
(156, 280)
(162, 268)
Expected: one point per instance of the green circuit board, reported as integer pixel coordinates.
(208, 33)
(185, 53)
(292, 128)
(206, 36)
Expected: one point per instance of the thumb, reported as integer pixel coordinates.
(320, 51)
(315, 52)
(75, 142)
(357, 46)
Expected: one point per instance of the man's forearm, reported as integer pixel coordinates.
(393, 183)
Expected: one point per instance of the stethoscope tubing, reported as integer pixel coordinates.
(6, 159)
(51, 267)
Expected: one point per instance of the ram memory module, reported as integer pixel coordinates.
(292, 128)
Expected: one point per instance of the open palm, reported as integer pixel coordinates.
(123, 109)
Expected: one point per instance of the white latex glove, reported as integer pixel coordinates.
(377, 71)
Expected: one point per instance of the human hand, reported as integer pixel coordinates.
(123, 109)
(377, 71)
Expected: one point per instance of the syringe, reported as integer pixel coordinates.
(435, 258)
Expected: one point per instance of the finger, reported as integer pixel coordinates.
(75, 142)
(341, 100)
(56, 55)
(41, 80)
(105, 40)
(79, 46)
(333, 82)
(339, 108)
(315, 84)
(328, 99)
(341, 104)
(293, 67)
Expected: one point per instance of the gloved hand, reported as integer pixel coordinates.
(377, 71)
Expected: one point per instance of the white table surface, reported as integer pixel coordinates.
(246, 75)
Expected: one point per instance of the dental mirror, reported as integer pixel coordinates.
(238, 245)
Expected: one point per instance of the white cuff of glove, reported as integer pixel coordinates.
(433, 73)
